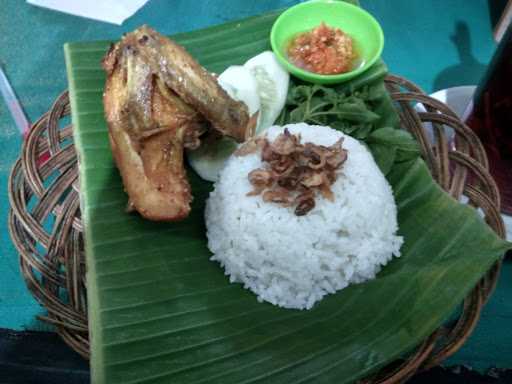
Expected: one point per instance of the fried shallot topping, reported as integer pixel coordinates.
(294, 172)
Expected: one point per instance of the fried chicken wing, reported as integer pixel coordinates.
(157, 102)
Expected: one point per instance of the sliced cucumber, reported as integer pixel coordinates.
(209, 159)
(241, 85)
(262, 84)
(272, 80)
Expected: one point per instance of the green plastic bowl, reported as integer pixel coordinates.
(365, 31)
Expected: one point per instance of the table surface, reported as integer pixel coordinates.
(436, 44)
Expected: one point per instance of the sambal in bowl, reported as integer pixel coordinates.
(326, 41)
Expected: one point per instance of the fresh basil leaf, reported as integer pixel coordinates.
(282, 119)
(329, 94)
(375, 92)
(298, 114)
(319, 103)
(344, 127)
(298, 95)
(354, 111)
(362, 131)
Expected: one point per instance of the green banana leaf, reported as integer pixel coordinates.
(161, 312)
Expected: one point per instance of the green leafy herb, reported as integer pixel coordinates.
(355, 112)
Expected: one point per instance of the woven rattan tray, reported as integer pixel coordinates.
(46, 229)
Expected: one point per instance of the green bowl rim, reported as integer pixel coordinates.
(311, 75)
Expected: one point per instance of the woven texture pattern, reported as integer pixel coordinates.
(46, 229)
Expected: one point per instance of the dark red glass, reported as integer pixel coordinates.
(490, 116)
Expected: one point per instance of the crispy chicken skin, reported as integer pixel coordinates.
(157, 102)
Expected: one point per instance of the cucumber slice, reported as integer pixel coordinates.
(209, 159)
(241, 85)
(262, 84)
(272, 80)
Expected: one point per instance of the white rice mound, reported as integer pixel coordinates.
(293, 261)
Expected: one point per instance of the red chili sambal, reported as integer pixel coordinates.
(323, 50)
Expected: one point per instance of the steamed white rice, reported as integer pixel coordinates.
(293, 261)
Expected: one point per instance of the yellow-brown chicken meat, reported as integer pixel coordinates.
(158, 100)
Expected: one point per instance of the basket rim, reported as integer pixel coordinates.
(70, 319)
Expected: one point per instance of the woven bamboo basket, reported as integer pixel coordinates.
(45, 224)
